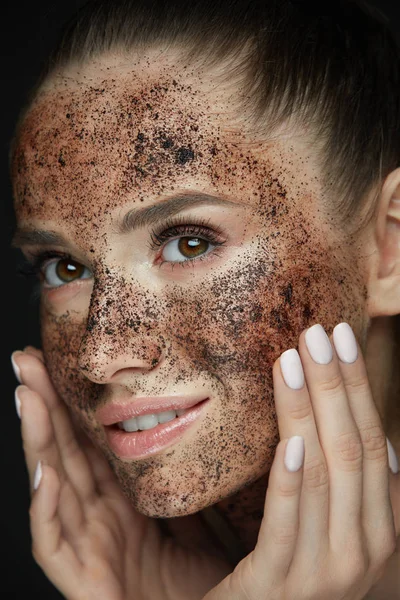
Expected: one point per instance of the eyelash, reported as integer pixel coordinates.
(32, 267)
(179, 227)
(172, 229)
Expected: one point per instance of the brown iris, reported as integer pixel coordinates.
(192, 247)
(68, 270)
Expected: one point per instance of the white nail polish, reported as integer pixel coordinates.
(294, 453)
(17, 404)
(345, 343)
(318, 345)
(393, 462)
(292, 369)
(38, 475)
(17, 370)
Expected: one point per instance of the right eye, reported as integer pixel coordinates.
(60, 271)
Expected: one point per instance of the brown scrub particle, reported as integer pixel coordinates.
(61, 160)
(167, 143)
(184, 155)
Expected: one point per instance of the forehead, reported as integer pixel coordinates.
(113, 133)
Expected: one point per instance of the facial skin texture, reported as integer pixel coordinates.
(115, 136)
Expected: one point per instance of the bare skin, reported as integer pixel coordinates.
(216, 326)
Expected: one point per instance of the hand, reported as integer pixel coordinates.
(328, 528)
(86, 537)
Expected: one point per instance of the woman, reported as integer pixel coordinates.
(254, 145)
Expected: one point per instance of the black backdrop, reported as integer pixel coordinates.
(28, 31)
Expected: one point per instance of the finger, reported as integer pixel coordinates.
(339, 436)
(104, 476)
(377, 514)
(34, 352)
(34, 374)
(39, 444)
(50, 550)
(296, 417)
(279, 529)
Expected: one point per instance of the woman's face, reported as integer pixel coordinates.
(195, 301)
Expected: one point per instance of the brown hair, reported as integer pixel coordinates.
(332, 66)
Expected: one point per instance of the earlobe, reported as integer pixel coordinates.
(384, 282)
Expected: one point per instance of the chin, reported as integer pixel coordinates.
(165, 498)
(165, 506)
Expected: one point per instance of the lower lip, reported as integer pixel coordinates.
(139, 444)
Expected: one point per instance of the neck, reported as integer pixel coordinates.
(244, 512)
(382, 358)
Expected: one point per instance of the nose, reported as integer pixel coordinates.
(120, 337)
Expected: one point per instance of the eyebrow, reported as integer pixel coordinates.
(134, 219)
(37, 237)
(138, 218)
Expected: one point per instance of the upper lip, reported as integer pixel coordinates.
(115, 413)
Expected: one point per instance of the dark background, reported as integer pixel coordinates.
(28, 31)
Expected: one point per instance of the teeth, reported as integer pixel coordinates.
(129, 425)
(150, 421)
(166, 416)
(147, 421)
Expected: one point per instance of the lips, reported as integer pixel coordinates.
(115, 413)
(141, 444)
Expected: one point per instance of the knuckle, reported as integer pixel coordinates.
(374, 442)
(300, 412)
(287, 490)
(37, 557)
(353, 574)
(389, 547)
(348, 448)
(316, 476)
(283, 534)
(31, 511)
(26, 448)
(357, 384)
(354, 570)
(331, 386)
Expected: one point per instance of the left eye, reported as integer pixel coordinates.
(64, 270)
(185, 248)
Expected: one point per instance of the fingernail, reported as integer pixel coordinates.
(292, 369)
(17, 404)
(17, 370)
(393, 462)
(318, 345)
(38, 475)
(345, 343)
(294, 453)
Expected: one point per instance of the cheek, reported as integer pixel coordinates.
(61, 339)
(237, 324)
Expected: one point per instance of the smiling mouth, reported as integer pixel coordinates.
(148, 434)
(146, 422)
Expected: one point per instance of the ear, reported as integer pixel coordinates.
(384, 277)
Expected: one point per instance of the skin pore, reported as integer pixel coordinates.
(122, 135)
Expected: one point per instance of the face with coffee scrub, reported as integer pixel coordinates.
(179, 257)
